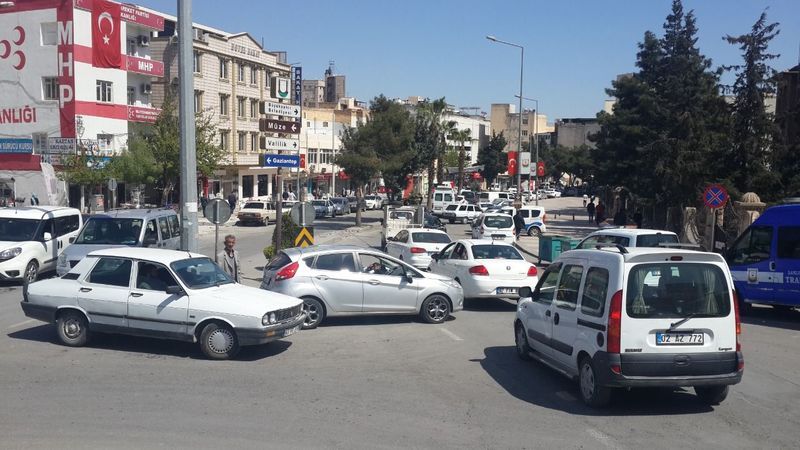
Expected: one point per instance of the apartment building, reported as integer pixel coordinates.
(505, 119)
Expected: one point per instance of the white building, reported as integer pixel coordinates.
(479, 134)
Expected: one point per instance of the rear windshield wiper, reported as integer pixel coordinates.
(675, 325)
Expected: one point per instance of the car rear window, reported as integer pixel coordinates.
(677, 290)
(497, 222)
(451, 207)
(432, 238)
(495, 252)
(280, 260)
(336, 262)
(652, 240)
(254, 205)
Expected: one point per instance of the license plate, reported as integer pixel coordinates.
(291, 331)
(503, 290)
(679, 338)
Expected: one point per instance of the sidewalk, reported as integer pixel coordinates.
(565, 217)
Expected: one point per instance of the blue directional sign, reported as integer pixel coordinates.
(281, 160)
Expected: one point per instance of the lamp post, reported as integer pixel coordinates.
(519, 124)
(535, 138)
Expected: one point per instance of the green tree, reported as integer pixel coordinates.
(390, 131)
(136, 164)
(754, 129)
(451, 158)
(429, 138)
(461, 136)
(492, 158)
(359, 160)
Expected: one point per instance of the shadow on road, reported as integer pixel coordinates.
(149, 346)
(537, 384)
(770, 317)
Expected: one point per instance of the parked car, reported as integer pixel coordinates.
(638, 317)
(342, 205)
(345, 280)
(323, 208)
(163, 294)
(443, 196)
(628, 237)
(372, 202)
(353, 204)
(33, 238)
(494, 226)
(462, 213)
(534, 217)
(158, 228)
(485, 269)
(258, 212)
(416, 245)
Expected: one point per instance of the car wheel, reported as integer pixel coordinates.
(435, 309)
(31, 272)
(315, 312)
(711, 395)
(592, 394)
(218, 341)
(534, 231)
(452, 221)
(523, 349)
(73, 329)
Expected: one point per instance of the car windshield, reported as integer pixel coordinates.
(16, 230)
(677, 290)
(497, 222)
(200, 273)
(451, 207)
(107, 230)
(254, 205)
(495, 252)
(431, 238)
(652, 240)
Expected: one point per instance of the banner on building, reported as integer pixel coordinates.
(512, 163)
(12, 145)
(525, 163)
(106, 48)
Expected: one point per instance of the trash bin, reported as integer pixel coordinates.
(550, 246)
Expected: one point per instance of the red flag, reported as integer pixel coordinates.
(512, 163)
(106, 48)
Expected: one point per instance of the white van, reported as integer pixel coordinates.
(32, 238)
(443, 195)
(491, 196)
(638, 317)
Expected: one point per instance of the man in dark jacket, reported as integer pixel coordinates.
(590, 210)
(519, 223)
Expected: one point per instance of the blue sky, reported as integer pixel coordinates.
(573, 49)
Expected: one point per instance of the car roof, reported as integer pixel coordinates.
(494, 214)
(140, 213)
(620, 231)
(33, 212)
(472, 242)
(158, 255)
(780, 215)
(644, 254)
(424, 230)
(322, 248)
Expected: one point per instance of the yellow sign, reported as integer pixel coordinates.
(305, 237)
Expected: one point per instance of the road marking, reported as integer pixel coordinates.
(16, 325)
(452, 335)
(602, 438)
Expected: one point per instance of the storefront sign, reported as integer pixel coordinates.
(239, 48)
(10, 145)
(140, 114)
(23, 114)
(132, 14)
(145, 66)
(61, 145)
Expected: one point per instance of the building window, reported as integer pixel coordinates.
(105, 142)
(266, 79)
(324, 124)
(525, 121)
(104, 91)
(224, 138)
(253, 75)
(48, 33)
(131, 47)
(131, 95)
(241, 72)
(253, 108)
(198, 59)
(312, 155)
(40, 143)
(240, 106)
(198, 101)
(326, 156)
(223, 68)
(242, 144)
(524, 132)
(223, 104)
(254, 141)
(50, 88)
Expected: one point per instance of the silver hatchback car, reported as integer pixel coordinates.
(335, 280)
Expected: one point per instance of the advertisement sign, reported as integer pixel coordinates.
(59, 145)
(298, 85)
(12, 145)
(525, 163)
(144, 66)
(141, 114)
(280, 88)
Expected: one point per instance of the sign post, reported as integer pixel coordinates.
(217, 211)
(715, 196)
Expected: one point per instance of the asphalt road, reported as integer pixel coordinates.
(367, 382)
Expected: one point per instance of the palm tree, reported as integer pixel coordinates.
(431, 133)
(461, 136)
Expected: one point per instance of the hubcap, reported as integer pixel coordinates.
(587, 381)
(31, 273)
(312, 313)
(437, 308)
(220, 341)
(72, 328)
(520, 341)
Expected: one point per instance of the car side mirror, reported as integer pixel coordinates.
(391, 239)
(72, 239)
(409, 277)
(435, 256)
(525, 291)
(174, 290)
(47, 236)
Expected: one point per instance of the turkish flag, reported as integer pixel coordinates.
(540, 169)
(106, 48)
(512, 163)
(302, 161)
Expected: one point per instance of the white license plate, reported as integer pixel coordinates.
(507, 290)
(291, 331)
(679, 338)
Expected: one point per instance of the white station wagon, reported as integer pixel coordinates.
(163, 294)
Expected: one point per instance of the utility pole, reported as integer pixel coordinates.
(279, 213)
(188, 156)
(333, 152)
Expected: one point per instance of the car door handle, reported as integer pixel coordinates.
(322, 277)
(772, 266)
(85, 289)
(136, 294)
(374, 282)
(547, 313)
(556, 319)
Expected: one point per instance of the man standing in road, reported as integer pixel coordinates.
(229, 259)
(519, 223)
(232, 201)
(599, 213)
(590, 210)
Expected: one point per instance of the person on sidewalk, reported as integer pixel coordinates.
(620, 218)
(590, 211)
(585, 199)
(600, 213)
(232, 201)
(229, 259)
(519, 223)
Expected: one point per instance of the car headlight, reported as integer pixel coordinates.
(453, 284)
(62, 259)
(268, 319)
(10, 253)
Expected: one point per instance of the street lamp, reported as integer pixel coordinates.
(519, 125)
(536, 138)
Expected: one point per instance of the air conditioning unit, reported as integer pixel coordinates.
(144, 41)
(147, 88)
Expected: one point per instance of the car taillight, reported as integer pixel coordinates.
(288, 271)
(614, 323)
(532, 272)
(418, 250)
(478, 270)
(738, 321)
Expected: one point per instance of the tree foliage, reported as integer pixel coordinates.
(573, 161)
(429, 139)
(492, 158)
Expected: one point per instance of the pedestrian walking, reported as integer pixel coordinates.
(590, 211)
(585, 200)
(232, 201)
(229, 259)
(600, 213)
(519, 223)
(637, 218)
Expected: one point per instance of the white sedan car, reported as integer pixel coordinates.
(494, 226)
(485, 269)
(163, 294)
(416, 245)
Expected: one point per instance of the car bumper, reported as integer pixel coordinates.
(661, 370)
(12, 269)
(256, 336)
(421, 261)
(488, 288)
(39, 312)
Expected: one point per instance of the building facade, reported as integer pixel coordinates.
(576, 132)
(505, 119)
(313, 93)
(787, 107)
